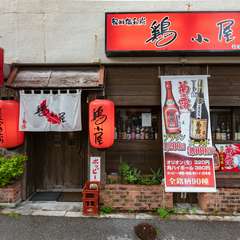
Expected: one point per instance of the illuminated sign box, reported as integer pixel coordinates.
(172, 33)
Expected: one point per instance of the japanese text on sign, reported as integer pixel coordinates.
(99, 118)
(95, 166)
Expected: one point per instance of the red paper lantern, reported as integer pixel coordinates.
(10, 136)
(101, 123)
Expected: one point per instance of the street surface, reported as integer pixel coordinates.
(16, 227)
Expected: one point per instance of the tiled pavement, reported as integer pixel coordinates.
(74, 209)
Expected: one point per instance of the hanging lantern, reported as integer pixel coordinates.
(10, 136)
(101, 123)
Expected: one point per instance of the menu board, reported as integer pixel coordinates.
(187, 142)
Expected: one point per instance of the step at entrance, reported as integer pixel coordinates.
(56, 197)
(45, 196)
(70, 197)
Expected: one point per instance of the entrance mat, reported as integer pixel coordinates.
(70, 197)
(45, 196)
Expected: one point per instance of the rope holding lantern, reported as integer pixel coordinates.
(101, 123)
(10, 136)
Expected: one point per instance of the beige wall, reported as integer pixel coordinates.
(72, 31)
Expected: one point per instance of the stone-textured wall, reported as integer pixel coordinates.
(225, 200)
(126, 197)
(11, 193)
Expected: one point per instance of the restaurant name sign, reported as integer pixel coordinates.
(181, 33)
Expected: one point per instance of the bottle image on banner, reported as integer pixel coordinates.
(199, 116)
(171, 112)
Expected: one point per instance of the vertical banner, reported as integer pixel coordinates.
(95, 168)
(187, 140)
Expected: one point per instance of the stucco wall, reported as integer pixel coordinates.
(72, 31)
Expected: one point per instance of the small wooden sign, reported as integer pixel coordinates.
(95, 168)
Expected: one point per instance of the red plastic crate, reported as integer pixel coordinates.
(91, 198)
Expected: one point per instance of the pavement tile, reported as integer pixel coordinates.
(232, 218)
(75, 210)
(7, 211)
(144, 216)
(215, 218)
(198, 211)
(196, 217)
(189, 217)
(24, 212)
(118, 215)
(49, 213)
(52, 206)
(236, 213)
(74, 214)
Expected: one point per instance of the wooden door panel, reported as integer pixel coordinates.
(73, 171)
(57, 159)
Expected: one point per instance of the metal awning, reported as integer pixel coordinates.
(56, 77)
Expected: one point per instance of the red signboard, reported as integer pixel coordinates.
(229, 155)
(1, 67)
(172, 33)
(188, 172)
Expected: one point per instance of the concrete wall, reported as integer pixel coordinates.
(72, 31)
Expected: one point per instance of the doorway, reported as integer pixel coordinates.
(57, 160)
